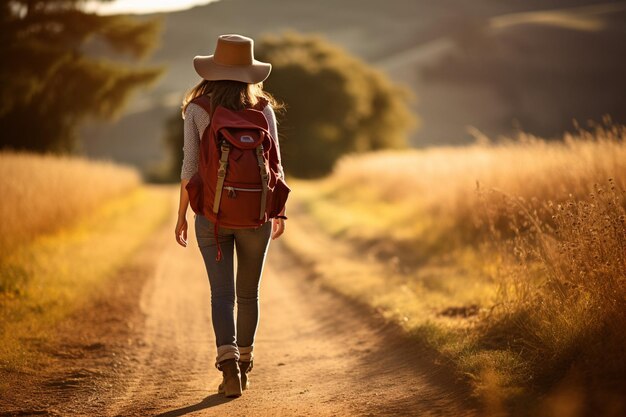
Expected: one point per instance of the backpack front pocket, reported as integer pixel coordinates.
(240, 204)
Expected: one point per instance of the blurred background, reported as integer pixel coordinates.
(496, 66)
(488, 66)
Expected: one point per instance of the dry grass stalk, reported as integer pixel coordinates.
(42, 193)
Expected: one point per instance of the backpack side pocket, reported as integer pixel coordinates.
(279, 196)
(196, 194)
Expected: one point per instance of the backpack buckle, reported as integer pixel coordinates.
(221, 171)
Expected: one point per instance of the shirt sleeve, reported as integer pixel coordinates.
(196, 120)
(271, 118)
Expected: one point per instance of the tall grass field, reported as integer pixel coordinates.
(68, 224)
(507, 258)
(42, 193)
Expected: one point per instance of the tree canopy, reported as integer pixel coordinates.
(336, 103)
(49, 80)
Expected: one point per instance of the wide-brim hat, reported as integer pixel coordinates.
(233, 60)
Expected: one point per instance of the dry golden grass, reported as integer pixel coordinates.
(562, 279)
(533, 232)
(441, 183)
(68, 224)
(44, 280)
(42, 193)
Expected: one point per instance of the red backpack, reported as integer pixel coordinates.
(238, 184)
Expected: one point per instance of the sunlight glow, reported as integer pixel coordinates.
(143, 6)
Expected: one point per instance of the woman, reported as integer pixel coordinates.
(232, 78)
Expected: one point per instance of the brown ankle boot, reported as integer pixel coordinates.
(245, 367)
(231, 383)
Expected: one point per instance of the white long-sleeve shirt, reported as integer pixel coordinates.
(196, 121)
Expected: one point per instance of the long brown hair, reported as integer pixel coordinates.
(235, 95)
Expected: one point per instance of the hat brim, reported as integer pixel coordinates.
(207, 68)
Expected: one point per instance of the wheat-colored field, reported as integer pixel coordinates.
(509, 258)
(42, 193)
(441, 183)
(68, 225)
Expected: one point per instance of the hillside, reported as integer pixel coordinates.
(465, 63)
(532, 71)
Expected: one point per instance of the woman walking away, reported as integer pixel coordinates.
(233, 180)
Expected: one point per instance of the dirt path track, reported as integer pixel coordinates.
(316, 354)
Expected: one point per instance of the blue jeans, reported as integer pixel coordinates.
(251, 245)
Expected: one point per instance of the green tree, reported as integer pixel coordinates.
(336, 103)
(49, 79)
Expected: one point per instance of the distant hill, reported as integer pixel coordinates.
(485, 63)
(532, 71)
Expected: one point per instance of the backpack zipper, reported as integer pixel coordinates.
(232, 191)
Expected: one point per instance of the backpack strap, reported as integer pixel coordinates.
(264, 179)
(265, 176)
(221, 175)
(203, 101)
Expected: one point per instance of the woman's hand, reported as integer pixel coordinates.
(181, 231)
(278, 227)
(181, 225)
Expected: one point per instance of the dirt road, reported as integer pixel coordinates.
(316, 354)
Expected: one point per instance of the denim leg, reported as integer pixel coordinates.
(221, 279)
(251, 245)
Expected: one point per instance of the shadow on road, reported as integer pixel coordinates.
(208, 402)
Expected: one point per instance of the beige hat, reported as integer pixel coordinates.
(233, 60)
